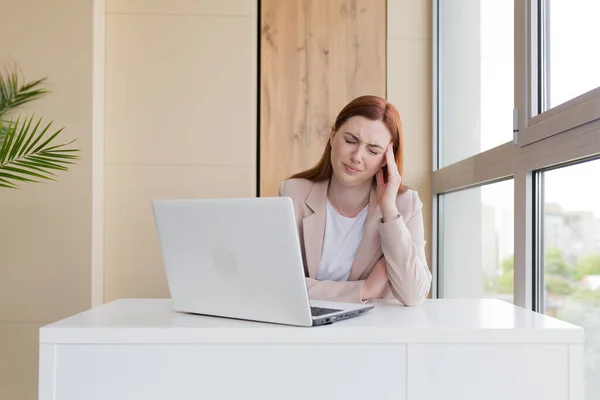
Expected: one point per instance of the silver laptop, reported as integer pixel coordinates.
(240, 258)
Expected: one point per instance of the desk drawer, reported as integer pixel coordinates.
(491, 372)
(178, 372)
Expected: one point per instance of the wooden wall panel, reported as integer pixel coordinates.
(316, 56)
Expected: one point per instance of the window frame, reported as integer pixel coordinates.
(536, 120)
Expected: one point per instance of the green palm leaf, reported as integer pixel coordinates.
(27, 154)
(13, 93)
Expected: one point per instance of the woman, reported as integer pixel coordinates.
(362, 231)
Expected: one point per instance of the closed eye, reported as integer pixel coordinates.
(375, 153)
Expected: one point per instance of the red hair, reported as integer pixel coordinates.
(374, 108)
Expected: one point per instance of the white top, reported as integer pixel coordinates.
(340, 243)
(435, 321)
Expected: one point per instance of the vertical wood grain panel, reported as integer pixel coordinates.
(316, 56)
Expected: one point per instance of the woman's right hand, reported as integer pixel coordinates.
(376, 281)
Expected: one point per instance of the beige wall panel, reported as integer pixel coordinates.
(409, 19)
(19, 360)
(45, 249)
(409, 88)
(198, 7)
(45, 229)
(133, 261)
(181, 90)
(316, 56)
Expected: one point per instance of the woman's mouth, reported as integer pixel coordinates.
(350, 170)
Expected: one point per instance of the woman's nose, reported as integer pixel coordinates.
(357, 155)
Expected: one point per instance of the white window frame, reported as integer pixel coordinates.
(563, 134)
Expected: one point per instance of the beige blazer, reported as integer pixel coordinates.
(399, 243)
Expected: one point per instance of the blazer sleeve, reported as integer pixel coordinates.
(403, 246)
(346, 292)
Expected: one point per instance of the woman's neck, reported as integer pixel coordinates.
(348, 200)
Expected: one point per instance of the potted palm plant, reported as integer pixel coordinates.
(27, 151)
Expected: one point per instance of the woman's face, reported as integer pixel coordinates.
(358, 150)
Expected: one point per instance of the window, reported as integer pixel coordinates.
(477, 242)
(571, 261)
(470, 126)
(573, 62)
(563, 88)
(476, 77)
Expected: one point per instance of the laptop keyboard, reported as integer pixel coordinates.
(317, 311)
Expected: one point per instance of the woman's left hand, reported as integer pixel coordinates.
(387, 191)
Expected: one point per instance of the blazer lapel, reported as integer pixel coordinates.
(370, 243)
(314, 226)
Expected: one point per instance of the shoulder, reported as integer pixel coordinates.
(295, 187)
(409, 203)
(298, 190)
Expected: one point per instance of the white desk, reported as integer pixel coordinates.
(443, 349)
